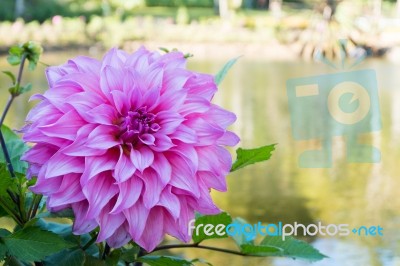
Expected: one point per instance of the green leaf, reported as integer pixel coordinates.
(67, 213)
(13, 60)
(129, 255)
(113, 258)
(262, 251)
(92, 261)
(16, 50)
(34, 244)
(202, 221)
(6, 180)
(25, 88)
(16, 148)
(246, 157)
(11, 75)
(293, 248)
(3, 251)
(222, 73)
(66, 258)
(164, 261)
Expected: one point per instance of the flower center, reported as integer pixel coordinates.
(138, 126)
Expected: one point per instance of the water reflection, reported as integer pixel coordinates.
(355, 194)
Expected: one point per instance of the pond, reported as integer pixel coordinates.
(358, 194)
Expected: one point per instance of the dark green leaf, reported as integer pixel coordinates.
(66, 258)
(4, 232)
(222, 73)
(32, 65)
(262, 251)
(3, 251)
(129, 255)
(198, 233)
(200, 261)
(6, 180)
(246, 157)
(67, 213)
(92, 261)
(16, 147)
(11, 75)
(113, 258)
(164, 261)
(13, 60)
(293, 248)
(34, 244)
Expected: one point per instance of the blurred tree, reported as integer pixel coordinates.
(19, 8)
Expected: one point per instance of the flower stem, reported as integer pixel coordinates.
(91, 241)
(197, 245)
(106, 251)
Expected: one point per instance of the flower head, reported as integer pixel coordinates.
(131, 143)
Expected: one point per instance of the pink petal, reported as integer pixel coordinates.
(69, 192)
(142, 158)
(170, 201)
(99, 190)
(154, 230)
(129, 192)
(120, 237)
(103, 137)
(103, 114)
(124, 168)
(162, 167)
(136, 217)
(228, 139)
(61, 164)
(65, 127)
(109, 223)
(152, 188)
(81, 224)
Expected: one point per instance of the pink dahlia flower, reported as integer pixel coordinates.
(131, 143)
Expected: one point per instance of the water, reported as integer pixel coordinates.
(278, 190)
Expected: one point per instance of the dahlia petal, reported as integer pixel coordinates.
(207, 134)
(214, 159)
(172, 227)
(185, 134)
(39, 154)
(151, 98)
(114, 58)
(121, 103)
(99, 190)
(161, 143)
(79, 148)
(142, 158)
(211, 180)
(182, 175)
(45, 186)
(61, 164)
(81, 224)
(154, 230)
(103, 114)
(124, 169)
(173, 60)
(95, 165)
(129, 192)
(69, 192)
(152, 188)
(147, 139)
(65, 127)
(204, 203)
(109, 223)
(202, 85)
(171, 100)
(120, 237)
(174, 78)
(193, 105)
(135, 216)
(102, 137)
(162, 167)
(220, 117)
(86, 64)
(169, 121)
(54, 73)
(228, 139)
(139, 60)
(111, 79)
(83, 102)
(170, 201)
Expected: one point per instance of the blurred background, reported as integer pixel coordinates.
(278, 40)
